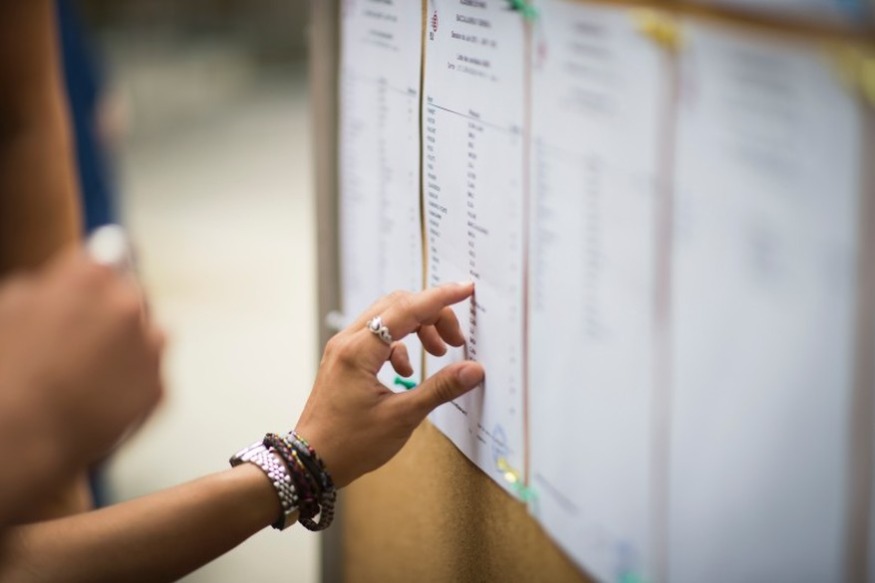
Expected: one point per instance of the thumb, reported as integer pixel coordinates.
(449, 383)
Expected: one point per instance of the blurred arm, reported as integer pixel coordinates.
(39, 211)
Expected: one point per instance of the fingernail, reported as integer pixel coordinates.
(465, 283)
(470, 375)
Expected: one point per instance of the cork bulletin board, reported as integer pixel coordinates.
(432, 515)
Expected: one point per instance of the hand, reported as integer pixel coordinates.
(77, 355)
(355, 423)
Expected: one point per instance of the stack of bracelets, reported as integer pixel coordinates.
(303, 483)
(316, 493)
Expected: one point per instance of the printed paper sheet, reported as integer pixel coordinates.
(381, 240)
(766, 204)
(473, 163)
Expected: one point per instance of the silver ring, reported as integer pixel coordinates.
(377, 327)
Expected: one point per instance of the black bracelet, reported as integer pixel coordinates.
(305, 484)
(316, 466)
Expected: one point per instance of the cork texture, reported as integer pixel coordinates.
(430, 515)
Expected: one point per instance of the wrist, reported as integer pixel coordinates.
(276, 472)
(330, 451)
(262, 503)
(301, 485)
(311, 479)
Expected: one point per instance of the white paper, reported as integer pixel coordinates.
(767, 188)
(473, 164)
(381, 240)
(599, 101)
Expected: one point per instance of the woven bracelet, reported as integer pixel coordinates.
(328, 497)
(308, 493)
(315, 488)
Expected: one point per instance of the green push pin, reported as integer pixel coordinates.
(525, 493)
(528, 11)
(406, 383)
(630, 578)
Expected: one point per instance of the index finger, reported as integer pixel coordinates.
(410, 311)
(423, 308)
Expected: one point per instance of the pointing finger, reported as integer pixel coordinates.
(412, 311)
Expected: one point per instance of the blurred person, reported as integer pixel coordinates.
(94, 117)
(39, 207)
(352, 424)
(79, 365)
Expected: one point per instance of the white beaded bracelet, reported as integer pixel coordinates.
(275, 469)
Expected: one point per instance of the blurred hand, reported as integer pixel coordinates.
(77, 356)
(355, 423)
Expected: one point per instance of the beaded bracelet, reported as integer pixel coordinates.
(277, 471)
(279, 477)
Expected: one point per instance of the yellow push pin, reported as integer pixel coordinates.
(513, 477)
(663, 29)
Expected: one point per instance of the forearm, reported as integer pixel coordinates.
(156, 538)
(39, 213)
(39, 206)
(39, 210)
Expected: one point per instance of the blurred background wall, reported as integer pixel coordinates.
(204, 116)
